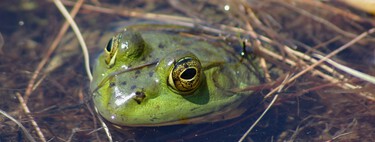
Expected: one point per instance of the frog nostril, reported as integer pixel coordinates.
(111, 84)
(139, 96)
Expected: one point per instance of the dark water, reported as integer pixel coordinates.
(61, 102)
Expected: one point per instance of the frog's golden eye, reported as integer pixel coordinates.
(111, 52)
(186, 74)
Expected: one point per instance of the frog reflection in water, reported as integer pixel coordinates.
(154, 78)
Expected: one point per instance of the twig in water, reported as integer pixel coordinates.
(28, 135)
(347, 45)
(76, 30)
(348, 70)
(1, 44)
(33, 122)
(54, 44)
(266, 110)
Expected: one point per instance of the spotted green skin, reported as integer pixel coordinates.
(149, 59)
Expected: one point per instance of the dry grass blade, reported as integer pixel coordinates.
(341, 12)
(28, 135)
(318, 19)
(310, 68)
(33, 122)
(84, 49)
(129, 13)
(48, 54)
(76, 30)
(348, 70)
(338, 136)
(1, 43)
(347, 45)
(278, 89)
(365, 5)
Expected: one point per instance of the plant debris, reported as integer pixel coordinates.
(322, 103)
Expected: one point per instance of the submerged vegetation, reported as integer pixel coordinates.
(44, 85)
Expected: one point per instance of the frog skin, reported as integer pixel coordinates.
(158, 78)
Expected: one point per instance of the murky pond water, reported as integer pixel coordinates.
(322, 105)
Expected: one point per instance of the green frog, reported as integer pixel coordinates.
(157, 78)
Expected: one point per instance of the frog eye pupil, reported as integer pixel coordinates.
(111, 51)
(109, 45)
(189, 73)
(185, 75)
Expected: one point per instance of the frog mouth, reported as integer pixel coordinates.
(224, 114)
